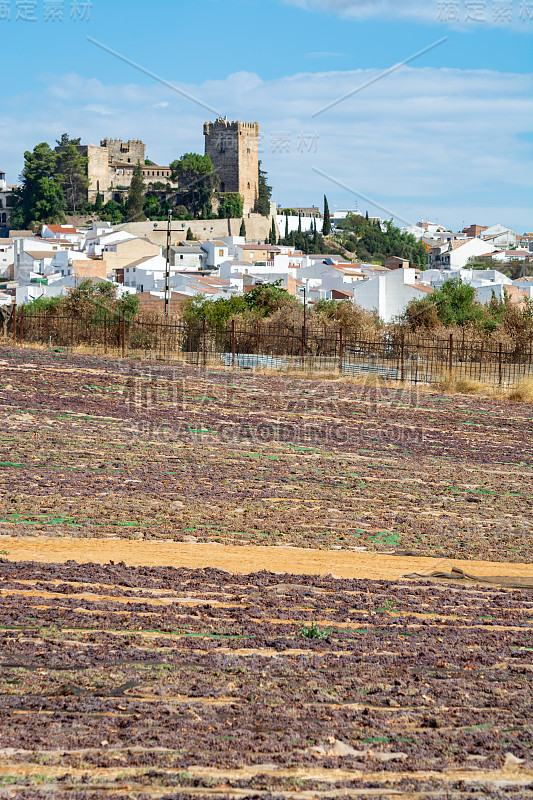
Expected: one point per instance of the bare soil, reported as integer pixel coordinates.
(408, 688)
(202, 591)
(98, 448)
(298, 561)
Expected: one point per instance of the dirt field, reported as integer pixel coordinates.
(98, 448)
(202, 587)
(151, 682)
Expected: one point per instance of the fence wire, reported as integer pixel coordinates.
(391, 356)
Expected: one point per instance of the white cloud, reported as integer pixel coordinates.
(99, 109)
(366, 9)
(441, 143)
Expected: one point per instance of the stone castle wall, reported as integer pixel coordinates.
(120, 152)
(98, 172)
(233, 147)
(257, 229)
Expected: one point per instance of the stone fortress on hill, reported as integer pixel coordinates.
(232, 146)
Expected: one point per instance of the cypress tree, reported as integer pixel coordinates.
(273, 238)
(190, 235)
(286, 229)
(326, 228)
(242, 231)
(98, 203)
(135, 201)
(299, 224)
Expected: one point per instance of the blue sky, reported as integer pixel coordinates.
(447, 137)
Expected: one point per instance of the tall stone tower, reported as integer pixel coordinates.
(233, 147)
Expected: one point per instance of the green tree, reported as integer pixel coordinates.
(286, 239)
(49, 205)
(272, 238)
(267, 298)
(196, 181)
(71, 175)
(135, 199)
(152, 207)
(453, 303)
(215, 312)
(231, 206)
(456, 303)
(113, 212)
(66, 140)
(180, 212)
(98, 204)
(40, 198)
(326, 227)
(190, 235)
(242, 231)
(264, 193)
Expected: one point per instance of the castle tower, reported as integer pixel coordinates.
(233, 147)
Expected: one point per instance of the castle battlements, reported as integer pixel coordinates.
(233, 147)
(223, 125)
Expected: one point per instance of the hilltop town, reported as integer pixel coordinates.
(227, 235)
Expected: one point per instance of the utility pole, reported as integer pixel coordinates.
(167, 267)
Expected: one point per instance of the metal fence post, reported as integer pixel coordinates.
(105, 334)
(402, 357)
(123, 333)
(340, 351)
(14, 324)
(500, 363)
(451, 354)
(233, 343)
(22, 324)
(204, 354)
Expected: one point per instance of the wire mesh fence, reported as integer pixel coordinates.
(390, 355)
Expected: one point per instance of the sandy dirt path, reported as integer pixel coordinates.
(243, 560)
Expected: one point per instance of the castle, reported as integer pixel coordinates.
(233, 147)
(110, 167)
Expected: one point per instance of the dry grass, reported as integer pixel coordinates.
(449, 384)
(523, 393)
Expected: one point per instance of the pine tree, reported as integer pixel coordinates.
(242, 231)
(326, 228)
(71, 175)
(40, 199)
(135, 201)
(197, 181)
